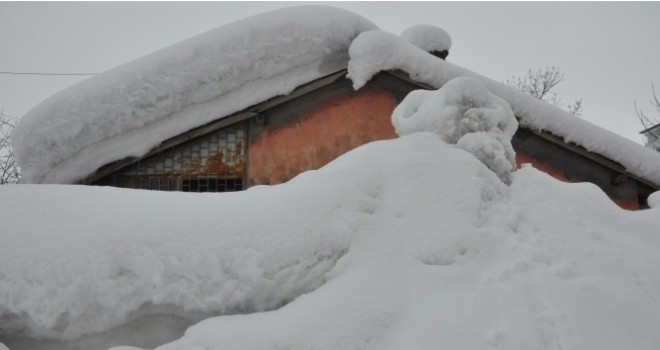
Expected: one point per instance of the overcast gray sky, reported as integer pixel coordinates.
(608, 51)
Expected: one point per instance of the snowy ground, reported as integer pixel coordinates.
(413, 243)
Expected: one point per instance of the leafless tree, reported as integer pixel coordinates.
(651, 124)
(10, 172)
(540, 84)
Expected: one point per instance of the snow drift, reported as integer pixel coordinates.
(128, 110)
(411, 243)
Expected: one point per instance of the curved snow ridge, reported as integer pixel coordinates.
(235, 66)
(96, 262)
(375, 51)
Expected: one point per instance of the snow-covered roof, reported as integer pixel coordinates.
(131, 109)
(128, 110)
(376, 51)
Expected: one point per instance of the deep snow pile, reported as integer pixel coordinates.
(375, 51)
(130, 109)
(410, 243)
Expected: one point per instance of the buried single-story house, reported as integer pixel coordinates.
(263, 99)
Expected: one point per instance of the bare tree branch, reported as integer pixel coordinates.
(10, 172)
(540, 84)
(651, 134)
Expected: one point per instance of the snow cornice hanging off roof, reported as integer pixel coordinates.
(128, 110)
(376, 51)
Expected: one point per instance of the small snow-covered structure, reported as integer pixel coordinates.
(652, 136)
(263, 99)
(431, 39)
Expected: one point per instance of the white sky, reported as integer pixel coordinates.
(608, 51)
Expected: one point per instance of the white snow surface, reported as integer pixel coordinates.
(427, 37)
(411, 243)
(376, 51)
(130, 109)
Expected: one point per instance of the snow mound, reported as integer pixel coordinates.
(375, 51)
(464, 113)
(428, 38)
(128, 110)
(401, 244)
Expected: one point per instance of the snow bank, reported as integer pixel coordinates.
(428, 38)
(376, 51)
(410, 243)
(130, 109)
(464, 113)
(80, 260)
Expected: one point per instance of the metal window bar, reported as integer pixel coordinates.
(211, 163)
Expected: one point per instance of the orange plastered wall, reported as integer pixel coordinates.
(320, 136)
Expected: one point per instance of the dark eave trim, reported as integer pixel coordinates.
(595, 157)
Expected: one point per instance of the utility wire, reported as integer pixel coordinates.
(39, 73)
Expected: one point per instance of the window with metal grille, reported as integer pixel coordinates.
(212, 163)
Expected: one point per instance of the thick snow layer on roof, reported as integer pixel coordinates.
(130, 109)
(377, 51)
(352, 256)
(427, 37)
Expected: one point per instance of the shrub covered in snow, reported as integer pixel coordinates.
(464, 113)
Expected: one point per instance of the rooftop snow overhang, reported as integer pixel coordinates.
(127, 111)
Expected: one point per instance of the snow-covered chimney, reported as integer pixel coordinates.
(429, 38)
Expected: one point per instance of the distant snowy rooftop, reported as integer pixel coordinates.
(130, 109)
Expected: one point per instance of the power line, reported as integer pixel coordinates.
(41, 73)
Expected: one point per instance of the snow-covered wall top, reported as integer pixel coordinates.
(377, 51)
(128, 110)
